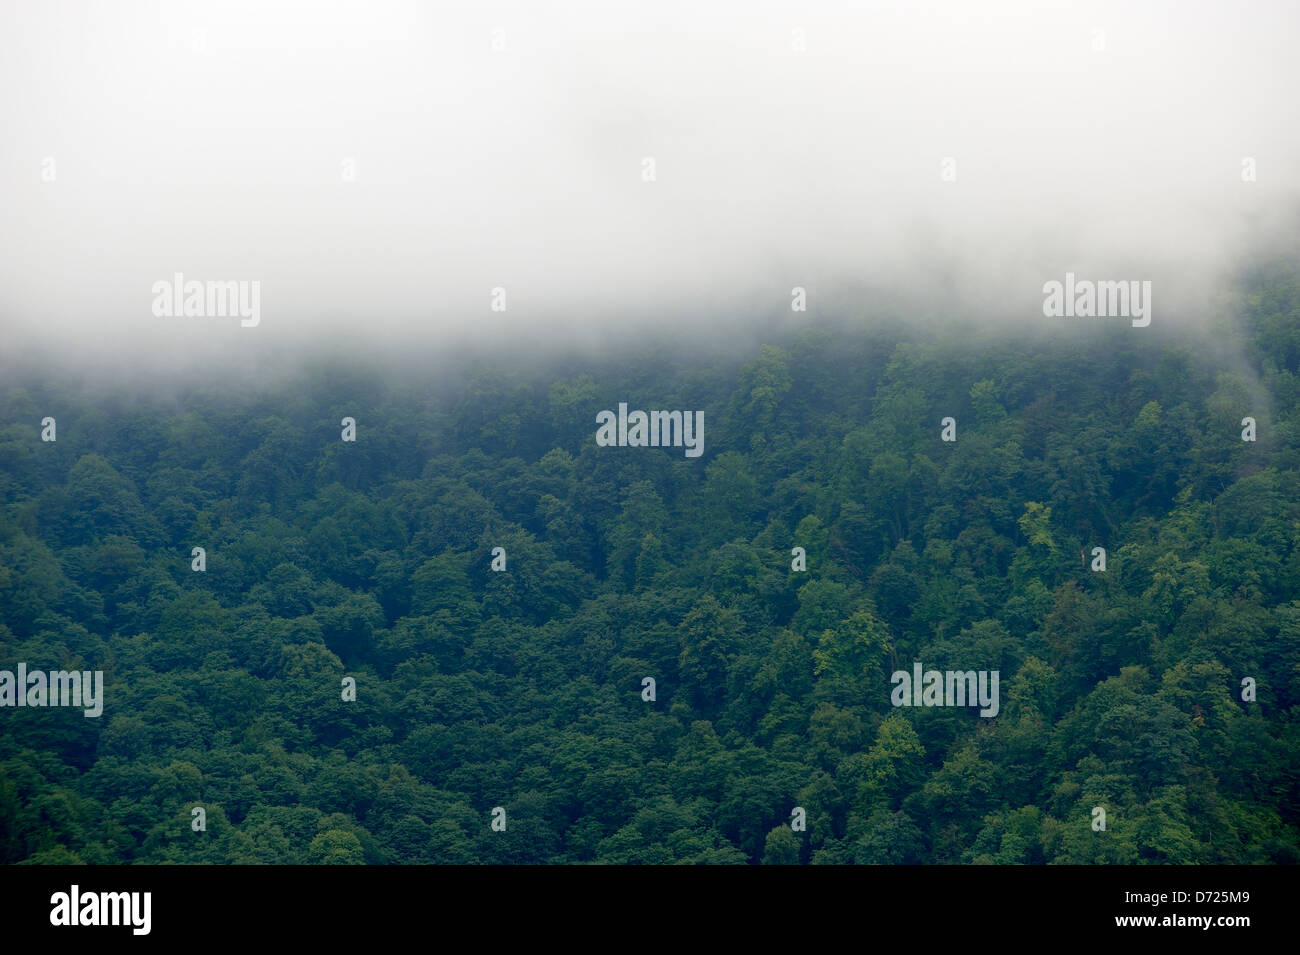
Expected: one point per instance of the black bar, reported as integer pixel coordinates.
(330, 904)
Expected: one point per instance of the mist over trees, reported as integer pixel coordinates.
(522, 689)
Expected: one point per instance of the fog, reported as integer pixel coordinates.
(380, 167)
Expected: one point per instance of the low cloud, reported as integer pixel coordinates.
(381, 168)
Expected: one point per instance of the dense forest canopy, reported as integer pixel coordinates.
(522, 689)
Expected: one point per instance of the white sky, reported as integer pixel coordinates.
(208, 138)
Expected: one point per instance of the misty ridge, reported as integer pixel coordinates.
(349, 613)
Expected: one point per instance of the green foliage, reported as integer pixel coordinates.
(522, 689)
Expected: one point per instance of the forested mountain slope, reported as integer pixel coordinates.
(523, 688)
